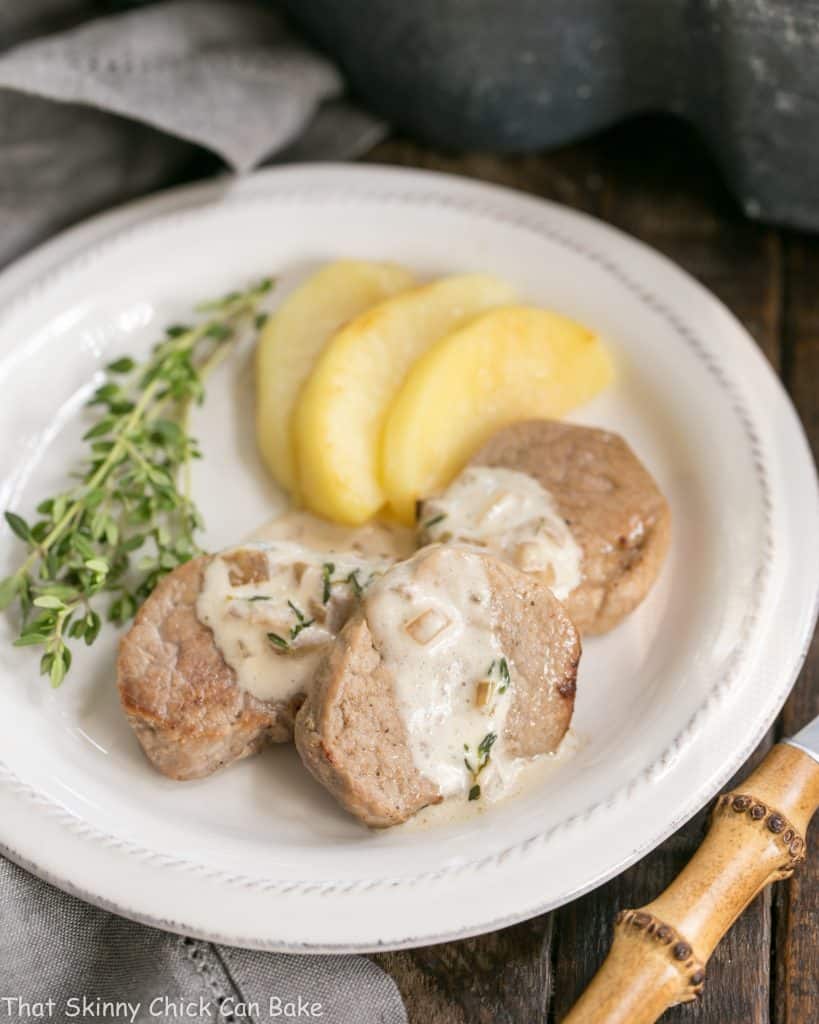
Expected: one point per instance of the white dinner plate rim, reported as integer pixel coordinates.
(36, 271)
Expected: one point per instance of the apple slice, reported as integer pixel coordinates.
(340, 415)
(295, 335)
(507, 365)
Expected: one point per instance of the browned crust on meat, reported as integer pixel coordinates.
(350, 734)
(611, 502)
(530, 620)
(180, 696)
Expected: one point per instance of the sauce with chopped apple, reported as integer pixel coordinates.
(273, 627)
(432, 621)
(513, 516)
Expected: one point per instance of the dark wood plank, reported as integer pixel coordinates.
(796, 905)
(737, 986)
(663, 189)
(655, 180)
(571, 176)
(500, 978)
(801, 331)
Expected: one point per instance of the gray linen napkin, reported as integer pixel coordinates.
(226, 75)
(100, 112)
(92, 965)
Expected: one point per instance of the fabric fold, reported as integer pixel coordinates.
(82, 963)
(226, 75)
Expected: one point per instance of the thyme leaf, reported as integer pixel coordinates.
(278, 641)
(327, 571)
(353, 580)
(502, 666)
(434, 521)
(485, 747)
(484, 754)
(504, 674)
(301, 621)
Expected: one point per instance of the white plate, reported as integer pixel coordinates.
(668, 705)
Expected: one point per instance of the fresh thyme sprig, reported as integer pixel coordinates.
(128, 498)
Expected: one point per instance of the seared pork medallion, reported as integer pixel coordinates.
(542, 492)
(454, 669)
(180, 695)
(221, 654)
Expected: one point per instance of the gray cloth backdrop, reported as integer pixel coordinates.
(95, 107)
(115, 106)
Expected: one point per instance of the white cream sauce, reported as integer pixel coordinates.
(431, 618)
(512, 515)
(534, 778)
(388, 541)
(273, 632)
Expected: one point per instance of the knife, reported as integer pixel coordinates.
(756, 836)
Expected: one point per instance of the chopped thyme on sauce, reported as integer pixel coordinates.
(502, 667)
(352, 579)
(434, 521)
(485, 747)
(278, 641)
(484, 754)
(327, 571)
(301, 621)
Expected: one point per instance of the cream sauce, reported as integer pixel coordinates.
(512, 515)
(431, 618)
(273, 632)
(372, 540)
(534, 778)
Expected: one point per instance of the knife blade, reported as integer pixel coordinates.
(807, 739)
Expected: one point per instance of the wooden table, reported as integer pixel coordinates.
(653, 179)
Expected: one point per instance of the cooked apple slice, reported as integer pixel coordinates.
(343, 406)
(509, 364)
(294, 336)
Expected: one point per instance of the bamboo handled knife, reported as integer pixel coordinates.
(757, 836)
